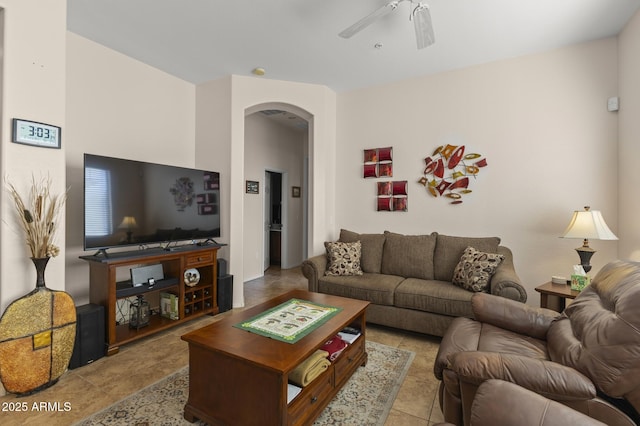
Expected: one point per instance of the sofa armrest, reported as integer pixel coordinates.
(312, 269)
(550, 379)
(505, 282)
(511, 315)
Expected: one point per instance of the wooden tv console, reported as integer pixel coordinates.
(193, 302)
(238, 377)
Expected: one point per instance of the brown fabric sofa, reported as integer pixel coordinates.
(587, 358)
(408, 278)
(500, 403)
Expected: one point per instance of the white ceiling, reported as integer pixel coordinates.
(297, 40)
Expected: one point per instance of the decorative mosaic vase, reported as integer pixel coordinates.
(37, 334)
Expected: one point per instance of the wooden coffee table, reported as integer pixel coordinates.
(239, 377)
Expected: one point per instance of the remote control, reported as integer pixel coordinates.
(350, 330)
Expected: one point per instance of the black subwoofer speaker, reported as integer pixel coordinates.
(222, 267)
(225, 292)
(90, 342)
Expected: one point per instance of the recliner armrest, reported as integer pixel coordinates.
(312, 269)
(511, 315)
(533, 409)
(550, 379)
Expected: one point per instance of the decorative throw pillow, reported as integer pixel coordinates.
(343, 258)
(475, 269)
(449, 249)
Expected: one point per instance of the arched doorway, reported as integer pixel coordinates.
(277, 140)
(247, 96)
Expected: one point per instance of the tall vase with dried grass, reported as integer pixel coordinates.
(37, 331)
(39, 216)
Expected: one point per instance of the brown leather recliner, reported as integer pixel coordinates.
(587, 358)
(500, 403)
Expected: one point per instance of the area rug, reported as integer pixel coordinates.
(366, 399)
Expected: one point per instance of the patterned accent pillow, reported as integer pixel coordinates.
(475, 269)
(343, 258)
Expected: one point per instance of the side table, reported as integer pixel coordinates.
(562, 291)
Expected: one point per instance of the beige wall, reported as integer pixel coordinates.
(33, 88)
(629, 142)
(540, 120)
(213, 133)
(145, 114)
(247, 95)
(118, 107)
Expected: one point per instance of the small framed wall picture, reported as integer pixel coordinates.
(295, 191)
(253, 187)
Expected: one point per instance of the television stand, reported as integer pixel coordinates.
(193, 302)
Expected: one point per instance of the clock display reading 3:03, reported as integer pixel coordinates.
(38, 134)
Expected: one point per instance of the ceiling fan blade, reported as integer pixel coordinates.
(369, 19)
(423, 26)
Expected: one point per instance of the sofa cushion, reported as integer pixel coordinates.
(449, 250)
(343, 258)
(409, 256)
(433, 296)
(372, 244)
(475, 269)
(375, 288)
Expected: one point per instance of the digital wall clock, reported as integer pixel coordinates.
(36, 134)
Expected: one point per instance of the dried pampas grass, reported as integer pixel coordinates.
(39, 216)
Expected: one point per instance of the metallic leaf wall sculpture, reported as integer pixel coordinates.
(447, 172)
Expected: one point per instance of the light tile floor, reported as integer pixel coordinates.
(88, 389)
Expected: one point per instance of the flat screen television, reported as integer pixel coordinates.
(129, 203)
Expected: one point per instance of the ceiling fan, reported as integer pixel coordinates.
(420, 16)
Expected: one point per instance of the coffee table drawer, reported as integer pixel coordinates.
(310, 399)
(349, 360)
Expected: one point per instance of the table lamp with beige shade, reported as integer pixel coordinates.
(588, 224)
